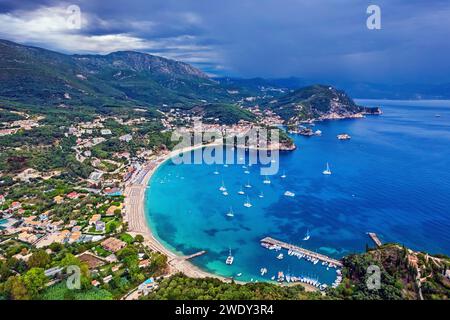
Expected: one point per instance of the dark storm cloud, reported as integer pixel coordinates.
(274, 38)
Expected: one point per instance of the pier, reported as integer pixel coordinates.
(375, 238)
(197, 254)
(306, 252)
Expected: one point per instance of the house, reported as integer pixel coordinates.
(107, 279)
(27, 237)
(105, 132)
(54, 226)
(113, 244)
(54, 272)
(94, 219)
(15, 205)
(112, 192)
(126, 138)
(144, 263)
(95, 283)
(74, 237)
(95, 176)
(27, 174)
(87, 153)
(147, 286)
(112, 210)
(447, 274)
(100, 226)
(58, 199)
(2, 199)
(73, 195)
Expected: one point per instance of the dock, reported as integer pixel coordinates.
(197, 254)
(375, 238)
(306, 252)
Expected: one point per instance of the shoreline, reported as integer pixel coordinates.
(136, 218)
(138, 224)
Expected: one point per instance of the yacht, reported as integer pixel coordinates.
(289, 194)
(247, 203)
(225, 193)
(230, 258)
(266, 180)
(307, 235)
(327, 171)
(241, 191)
(222, 187)
(280, 256)
(263, 271)
(230, 213)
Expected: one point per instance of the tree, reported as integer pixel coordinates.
(39, 259)
(139, 238)
(34, 280)
(16, 289)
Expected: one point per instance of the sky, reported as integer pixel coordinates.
(326, 39)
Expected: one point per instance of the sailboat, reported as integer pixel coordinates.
(241, 191)
(307, 235)
(247, 203)
(248, 185)
(230, 213)
(222, 187)
(261, 195)
(327, 171)
(216, 172)
(266, 180)
(283, 175)
(230, 258)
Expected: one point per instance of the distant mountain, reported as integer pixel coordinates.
(39, 76)
(314, 102)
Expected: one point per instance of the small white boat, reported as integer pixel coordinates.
(225, 193)
(327, 171)
(239, 274)
(283, 175)
(318, 133)
(272, 278)
(248, 185)
(230, 213)
(247, 172)
(263, 271)
(261, 195)
(241, 191)
(225, 165)
(222, 187)
(280, 256)
(266, 180)
(216, 172)
(247, 203)
(307, 235)
(289, 194)
(230, 258)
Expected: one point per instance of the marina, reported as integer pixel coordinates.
(307, 253)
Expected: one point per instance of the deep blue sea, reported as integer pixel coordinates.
(392, 178)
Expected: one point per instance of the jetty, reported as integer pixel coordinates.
(306, 252)
(375, 238)
(197, 254)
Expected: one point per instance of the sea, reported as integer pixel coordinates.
(392, 178)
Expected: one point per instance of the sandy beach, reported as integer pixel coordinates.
(137, 223)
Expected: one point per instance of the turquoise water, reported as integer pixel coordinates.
(391, 178)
